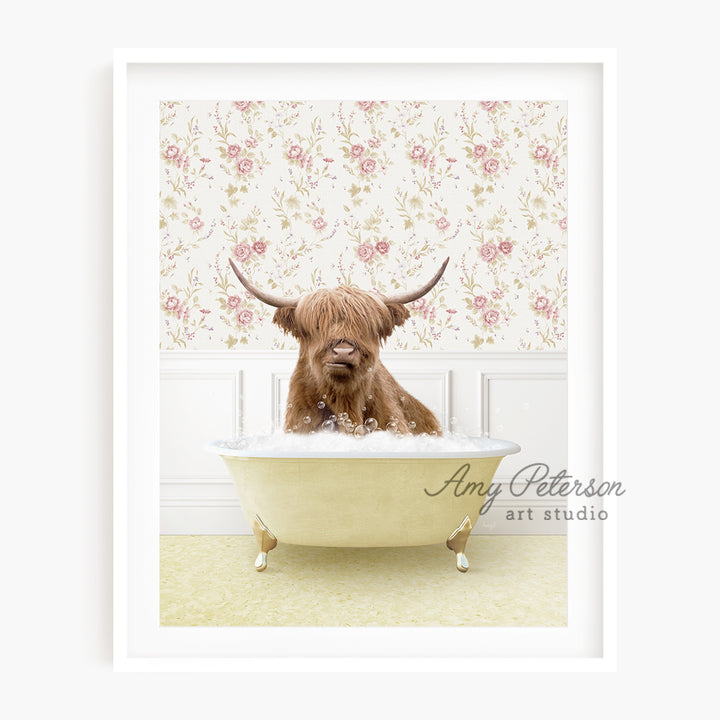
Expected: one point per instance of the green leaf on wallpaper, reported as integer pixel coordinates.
(231, 342)
(346, 208)
(477, 341)
(223, 208)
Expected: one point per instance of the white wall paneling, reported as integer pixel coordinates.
(210, 395)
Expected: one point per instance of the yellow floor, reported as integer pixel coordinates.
(513, 581)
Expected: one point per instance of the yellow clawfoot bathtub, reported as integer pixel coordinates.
(357, 499)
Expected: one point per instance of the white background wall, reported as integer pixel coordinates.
(57, 505)
(206, 396)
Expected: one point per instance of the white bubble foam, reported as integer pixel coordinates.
(378, 443)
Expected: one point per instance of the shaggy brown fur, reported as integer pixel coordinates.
(340, 332)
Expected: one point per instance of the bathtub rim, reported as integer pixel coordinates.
(507, 448)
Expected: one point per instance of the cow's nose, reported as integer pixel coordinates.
(343, 351)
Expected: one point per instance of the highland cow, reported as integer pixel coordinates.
(339, 381)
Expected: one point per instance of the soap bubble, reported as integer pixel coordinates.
(392, 427)
(412, 425)
(364, 409)
(328, 426)
(289, 405)
(307, 420)
(360, 431)
(321, 405)
(324, 397)
(453, 420)
(371, 424)
(369, 397)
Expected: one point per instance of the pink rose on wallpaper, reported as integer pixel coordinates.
(541, 152)
(233, 150)
(382, 246)
(367, 166)
(497, 142)
(242, 252)
(196, 223)
(542, 303)
(172, 303)
(245, 317)
(366, 252)
(491, 317)
(172, 151)
(259, 246)
(366, 105)
(488, 252)
(374, 142)
(563, 223)
(497, 293)
(479, 302)
(488, 105)
(419, 305)
(245, 166)
(251, 142)
(491, 166)
(418, 152)
(442, 223)
(357, 150)
(319, 223)
(243, 105)
(294, 152)
(506, 247)
(233, 302)
(479, 151)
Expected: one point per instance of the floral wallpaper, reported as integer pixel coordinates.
(374, 194)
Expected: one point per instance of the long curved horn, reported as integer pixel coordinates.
(410, 296)
(268, 299)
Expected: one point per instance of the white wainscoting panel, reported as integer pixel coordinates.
(208, 396)
(531, 410)
(195, 407)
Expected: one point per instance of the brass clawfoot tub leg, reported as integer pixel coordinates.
(266, 542)
(457, 541)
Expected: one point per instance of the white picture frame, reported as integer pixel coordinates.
(586, 78)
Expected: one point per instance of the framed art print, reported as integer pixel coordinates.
(364, 339)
